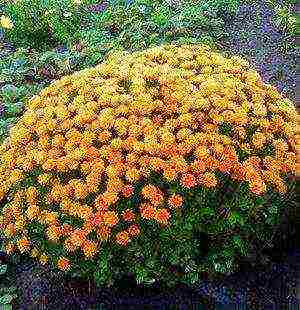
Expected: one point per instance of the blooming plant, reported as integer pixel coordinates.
(117, 168)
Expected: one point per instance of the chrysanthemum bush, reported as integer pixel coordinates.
(120, 168)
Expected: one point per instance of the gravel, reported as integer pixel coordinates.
(253, 35)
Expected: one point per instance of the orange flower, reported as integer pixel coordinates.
(224, 166)
(202, 152)
(10, 230)
(23, 244)
(251, 173)
(31, 194)
(28, 164)
(128, 215)
(69, 246)
(211, 163)
(84, 212)
(63, 264)
(127, 191)
(280, 186)
(153, 193)
(15, 210)
(104, 136)
(132, 174)
(199, 166)
(218, 148)
(77, 237)
(56, 194)
(175, 201)
(148, 211)
(209, 180)
(258, 140)
(230, 153)
(16, 176)
(49, 217)
(156, 199)
(110, 218)
(258, 187)
(88, 226)
(58, 140)
(157, 164)
(170, 174)
(66, 229)
(144, 161)
(114, 184)
(254, 161)
(92, 181)
(114, 157)
(133, 230)
(80, 189)
(101, 204)
(89, 248)
(162, 216)
(148, 190)
(188, 180)
(53, 233)
(110, 197)
(238, 171)
(122, 238)
(103, 232)
(9, 248)
(290, 161)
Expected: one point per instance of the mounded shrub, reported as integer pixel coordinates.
(128, 167)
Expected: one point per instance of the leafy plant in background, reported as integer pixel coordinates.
(286, 19)
(7, 293)
(41, 24)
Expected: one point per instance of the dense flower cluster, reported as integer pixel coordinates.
(99, 131)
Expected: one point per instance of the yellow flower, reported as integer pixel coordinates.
(132, 174)
(34, 252)
(6, 22)
(116, 143)
(9, 248)
(43, 259)
(20, 223)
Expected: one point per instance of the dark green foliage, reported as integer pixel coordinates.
(225, 129)
(41, 24)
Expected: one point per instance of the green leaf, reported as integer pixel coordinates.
(102, 273)
(236, 218)
(224, 267)
(8, 290)
(6, 299)
(207, 212)
(240, 244)
(3, 269)
(190, 278)
(174, 259)
(141, 274)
